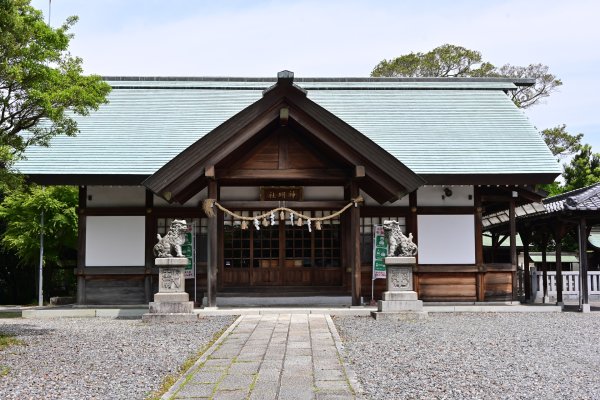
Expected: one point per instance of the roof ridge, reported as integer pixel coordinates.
(570, 194)
(516, 81)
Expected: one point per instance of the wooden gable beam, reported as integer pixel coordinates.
(317, 131)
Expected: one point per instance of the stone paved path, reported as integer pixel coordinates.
(280, 356)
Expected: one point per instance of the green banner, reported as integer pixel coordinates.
(380, 249)
(188, 252)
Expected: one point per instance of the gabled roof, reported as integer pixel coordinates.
(445, 130)
(388, 174)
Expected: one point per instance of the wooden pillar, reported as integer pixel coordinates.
(213, 249)
(513, 246)
(525, 234)
(544, 244)
(346, 245)
(81, 230)
(355, 246)
(411, 223)
(559, 234)
(479, 278)
(583, 266)
(412, 227)
(150, 241)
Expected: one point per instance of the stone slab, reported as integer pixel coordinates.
(400, 261)
(399, 278)
(171, 279)
(169, 317)
(171, 297)
(171, 262)
(402, 316)
(168, 307)
(407, 295)
(399, 305)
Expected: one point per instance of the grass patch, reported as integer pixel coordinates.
(10, 314)
(4, 370)
(170, 379)
(9, 340)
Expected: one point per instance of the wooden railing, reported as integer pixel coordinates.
(570, 282)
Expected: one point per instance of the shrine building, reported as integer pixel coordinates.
(343, 154)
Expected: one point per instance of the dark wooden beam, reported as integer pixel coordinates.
(480, 279)
(212, 249)
(513, 243)
(559, 233)
(269, 205)
(525, 233)
(544, 245)
(355, 246)
(319, 175)
(583, 266)
(150, 240)
(81, 238)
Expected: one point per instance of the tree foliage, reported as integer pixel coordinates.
(21, 211)
(560, 142)
(41, 84)
(456, 61)
(583, 170)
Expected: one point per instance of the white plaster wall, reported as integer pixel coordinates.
(369, 201)
(116, 196)
(432, 196)
(114, 241)
(446, 239)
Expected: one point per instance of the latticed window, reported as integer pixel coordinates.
(236, 242)
(245, 248)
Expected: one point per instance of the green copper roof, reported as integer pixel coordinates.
(433, 126)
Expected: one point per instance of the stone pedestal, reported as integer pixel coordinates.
(400, 301)
(171, 303)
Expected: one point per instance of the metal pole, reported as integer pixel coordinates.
(41, 277)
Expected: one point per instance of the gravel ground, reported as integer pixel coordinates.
(97, 358)
(476, 356)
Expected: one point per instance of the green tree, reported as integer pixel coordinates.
(456, 61)
(21, 210)
(560, 142)
(41, 85)
(583, 170)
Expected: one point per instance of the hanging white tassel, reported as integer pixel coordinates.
(272, 218)
(292, 218)
(308, 223)
(256, 224)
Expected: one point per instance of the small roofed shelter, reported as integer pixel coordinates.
(435, 155)
(576, 211)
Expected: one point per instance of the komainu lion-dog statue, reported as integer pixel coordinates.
(172, 241)
(399, 244)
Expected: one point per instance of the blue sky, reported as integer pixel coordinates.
(342, 38)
